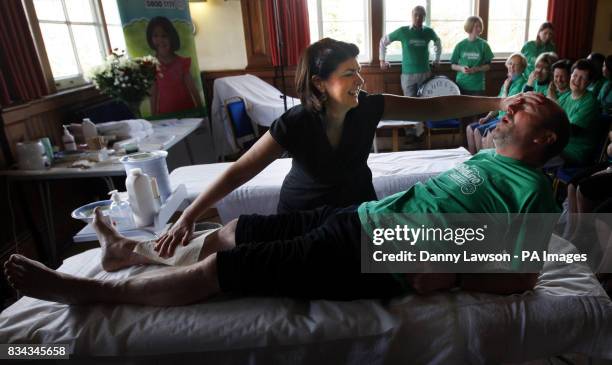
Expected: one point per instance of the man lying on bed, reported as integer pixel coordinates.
(316, 254)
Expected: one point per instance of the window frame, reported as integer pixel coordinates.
(505, 55)
(99, 22)
(367, 27)
(445, 56)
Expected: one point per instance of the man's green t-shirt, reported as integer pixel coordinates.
(486, 183)
(582, 113)
(605, 98)
(531, 51)
(471, 54)
(415, 47)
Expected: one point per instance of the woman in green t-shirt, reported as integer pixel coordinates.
(472, 58)
(541, 76)
(513, 85)
(605, 94)
(543, 43)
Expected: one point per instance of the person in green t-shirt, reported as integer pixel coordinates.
(415, 41)
(471, 58)
(582, 110)
(561, 71)
(597, 61)
(543, 43)
(605, 94)
(513, 85)
(540, 78)
(316, 254)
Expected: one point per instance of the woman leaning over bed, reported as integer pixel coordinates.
(329, 137)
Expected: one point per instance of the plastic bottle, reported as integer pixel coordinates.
(68, 140)
(120, 212)
(141, 196)
(89, 129)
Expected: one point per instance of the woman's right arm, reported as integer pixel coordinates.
(260, 155)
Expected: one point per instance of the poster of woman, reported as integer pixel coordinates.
(164, 30)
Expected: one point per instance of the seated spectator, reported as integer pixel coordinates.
(582, 110)
(605, 94)
(540, 78)
(561, 71)
(597, 80)
(513, 85)
(316, 254)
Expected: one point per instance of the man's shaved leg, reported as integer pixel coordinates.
(175, 286)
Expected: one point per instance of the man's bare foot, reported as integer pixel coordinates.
(116, 249)
(33, 279)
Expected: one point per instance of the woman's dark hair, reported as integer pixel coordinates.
(320, 59)
(564, 65)
(597, 60)
(545, 25)
(166, 25)
(608, 63)
(583, 65)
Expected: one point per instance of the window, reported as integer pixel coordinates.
(446, 17)
(74, 36)
(344, 20)
(512, 23)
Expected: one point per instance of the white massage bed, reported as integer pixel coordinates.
(391, 173)
(264, 105)
(568, 312)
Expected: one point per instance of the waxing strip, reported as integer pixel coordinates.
(183, 255)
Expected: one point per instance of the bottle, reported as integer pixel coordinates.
(120, 212)
(68, 140)
(89, 129)
(142, 201)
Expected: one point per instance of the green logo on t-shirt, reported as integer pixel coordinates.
(467, 177)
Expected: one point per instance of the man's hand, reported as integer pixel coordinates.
(427, 283)
(384, 65)
(530, 97)
(179, 233)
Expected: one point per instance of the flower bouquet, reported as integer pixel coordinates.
(126, 79)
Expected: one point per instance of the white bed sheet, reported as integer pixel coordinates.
(391, 173)
(568, 312)
(264, 105)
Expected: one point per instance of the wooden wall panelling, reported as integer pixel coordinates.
(44, 117)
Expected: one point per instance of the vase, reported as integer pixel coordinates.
(134, 107)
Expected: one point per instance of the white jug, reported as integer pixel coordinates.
(31, 156)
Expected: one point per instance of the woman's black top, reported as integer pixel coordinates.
(320, 174)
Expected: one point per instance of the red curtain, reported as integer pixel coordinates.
(293, 18)
(21, 76)
(573, 21)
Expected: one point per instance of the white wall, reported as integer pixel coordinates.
(220, 35)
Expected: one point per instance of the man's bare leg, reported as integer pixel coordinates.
(169, 287)
(469, 135)
(118, 251)
(180, 286)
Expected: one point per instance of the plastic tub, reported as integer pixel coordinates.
(153, 164)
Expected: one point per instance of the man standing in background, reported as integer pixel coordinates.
(415, 51)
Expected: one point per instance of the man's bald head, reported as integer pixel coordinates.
(534, 129)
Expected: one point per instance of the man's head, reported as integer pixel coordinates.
(534, 130)
(418, 16)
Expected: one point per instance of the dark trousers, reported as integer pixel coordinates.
(310, 254)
